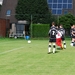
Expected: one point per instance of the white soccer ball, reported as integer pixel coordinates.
(15, 37)
(29, 41)
(71, 44)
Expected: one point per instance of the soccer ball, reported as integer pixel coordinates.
(15, 37)
(29, 41)
(71, 44)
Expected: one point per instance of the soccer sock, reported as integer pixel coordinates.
(49, 48)
(72, 43)
(64, 44)
(54, 48)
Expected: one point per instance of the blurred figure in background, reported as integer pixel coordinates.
(72, 32)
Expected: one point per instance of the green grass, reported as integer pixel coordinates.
(17, 57)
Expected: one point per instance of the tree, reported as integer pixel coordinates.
(37, 8)
(67, 20)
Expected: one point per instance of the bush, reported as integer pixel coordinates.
(40, 30)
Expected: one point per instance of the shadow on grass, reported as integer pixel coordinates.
(54, 53)
(59, 48)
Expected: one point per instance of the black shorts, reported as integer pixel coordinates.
(52, 40)
(73, 36)
(63, 38)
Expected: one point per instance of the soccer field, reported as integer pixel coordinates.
(17, 57)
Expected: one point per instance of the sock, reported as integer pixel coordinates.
(49, 48)
(54, 48)
(71, 43)
(64, 44)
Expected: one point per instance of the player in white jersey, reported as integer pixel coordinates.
(58, 39)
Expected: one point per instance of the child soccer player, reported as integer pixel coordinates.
(62, 30)
(58, 39)
(52, 40)
(73, 36)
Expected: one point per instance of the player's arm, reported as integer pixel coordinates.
(64, 32)
(73, 33)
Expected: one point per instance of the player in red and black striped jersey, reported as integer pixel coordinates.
(52, 38)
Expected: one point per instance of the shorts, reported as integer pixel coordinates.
(62, 38)
(52, 40)
(73, 36)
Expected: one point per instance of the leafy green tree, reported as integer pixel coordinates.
(67, 20)
(37, 9)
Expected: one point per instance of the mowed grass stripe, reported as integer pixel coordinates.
(9, 45)
(11, 50)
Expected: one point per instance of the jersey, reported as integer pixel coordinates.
(52, 33)
(62, 30)
(73, 32)
(58, 35)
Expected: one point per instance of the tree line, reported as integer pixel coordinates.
(39, 12)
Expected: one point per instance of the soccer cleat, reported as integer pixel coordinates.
(53, 52)
(64, 47)
(49, 52)
(61, 48)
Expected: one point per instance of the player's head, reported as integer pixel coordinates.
(57, 27)
(53, 23)
(74, 26)
(61, 26)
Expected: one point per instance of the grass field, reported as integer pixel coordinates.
(17, 57)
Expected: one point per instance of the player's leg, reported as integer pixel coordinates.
(49, 48)
(54, 47)
(64, 43)
(72, 42)
(59, 43)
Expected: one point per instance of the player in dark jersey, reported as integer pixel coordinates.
(71, 31)
(52, 40)
(62, 30)
(73, 35)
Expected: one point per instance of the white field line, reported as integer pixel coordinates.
(11, 50)
(6, 42)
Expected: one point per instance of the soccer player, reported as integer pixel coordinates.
(71, 31)
(58, 38)
(73, 35)
(62, 30)
(52, 40)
